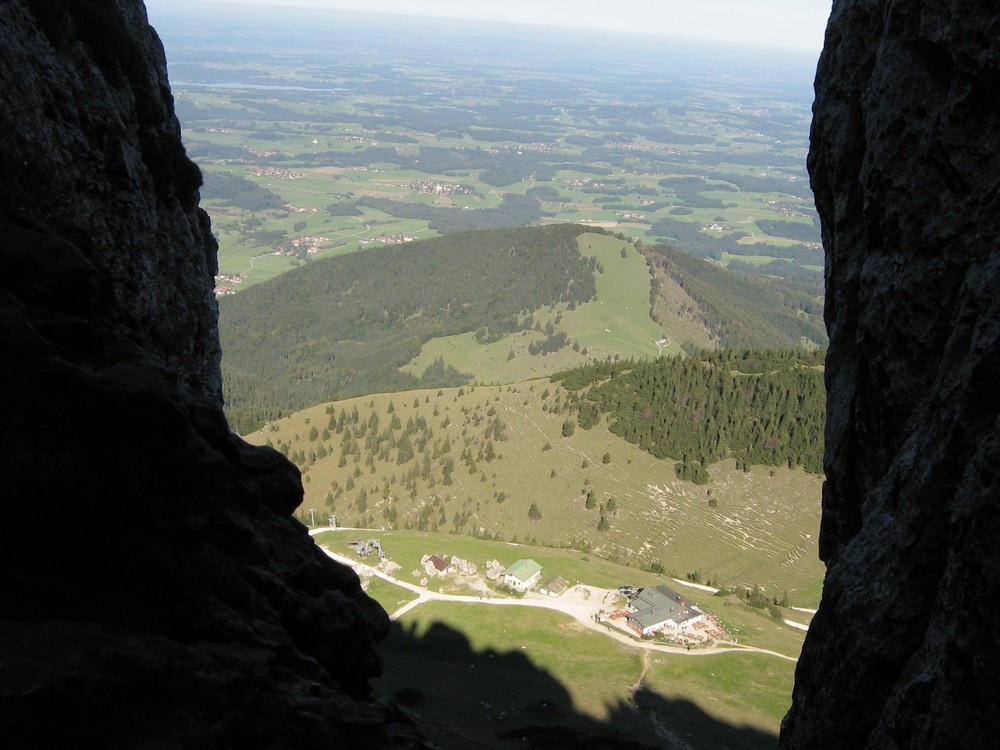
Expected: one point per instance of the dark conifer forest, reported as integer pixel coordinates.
(344, 326)
(752, 406)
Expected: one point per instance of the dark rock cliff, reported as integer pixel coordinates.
(905, 164)
(154, 588)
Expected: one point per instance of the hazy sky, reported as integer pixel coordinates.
(792, 24)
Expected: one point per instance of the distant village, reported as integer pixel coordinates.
(388, 239)
(440, 188)
(277, 172)
(221, 290)
(296, 247)
(301, 246)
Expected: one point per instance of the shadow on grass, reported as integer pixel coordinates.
(462, 698)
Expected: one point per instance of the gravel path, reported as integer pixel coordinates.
(580, 602)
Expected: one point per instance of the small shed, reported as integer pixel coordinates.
(442, 566)
(554, 586)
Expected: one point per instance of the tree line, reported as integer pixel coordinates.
(751, 406)
(514, 211)
(742, 312)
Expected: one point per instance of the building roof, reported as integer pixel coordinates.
(523, 570)
(556, 585)
(654, 606)
(439, 564)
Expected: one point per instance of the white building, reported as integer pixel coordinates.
(522, 575)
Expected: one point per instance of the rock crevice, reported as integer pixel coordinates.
(156, 590)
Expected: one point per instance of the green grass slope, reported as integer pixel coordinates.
(495, 462)
(490, 672)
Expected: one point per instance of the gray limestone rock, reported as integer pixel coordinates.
(905, 164)
(90, 152)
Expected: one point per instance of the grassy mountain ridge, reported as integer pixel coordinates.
(614, 325)
(499, 462)
(524, 299)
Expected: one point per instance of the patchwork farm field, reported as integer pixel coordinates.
(388, 132)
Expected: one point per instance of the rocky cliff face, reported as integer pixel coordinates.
(905, 164)
(91, 153)
(155, 588)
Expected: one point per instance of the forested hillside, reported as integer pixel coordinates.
(740, 311)
(755, 406)
(233, 190)
(344, 326)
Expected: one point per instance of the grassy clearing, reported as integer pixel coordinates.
(472, 670)
(492, 363)
(390, 596)
(746, 690)
(616, 324)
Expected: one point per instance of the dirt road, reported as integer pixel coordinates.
(580, 602)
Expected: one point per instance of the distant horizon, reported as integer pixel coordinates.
(787, 25)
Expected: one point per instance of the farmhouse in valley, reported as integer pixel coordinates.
(659, 607)
(522, 575)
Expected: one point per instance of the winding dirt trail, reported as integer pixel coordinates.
(642, 674)
(579, 602)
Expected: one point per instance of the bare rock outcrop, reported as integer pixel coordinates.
(905, 164)
(156, 590)
(389, 567)
(464, 567)
(494, 570)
